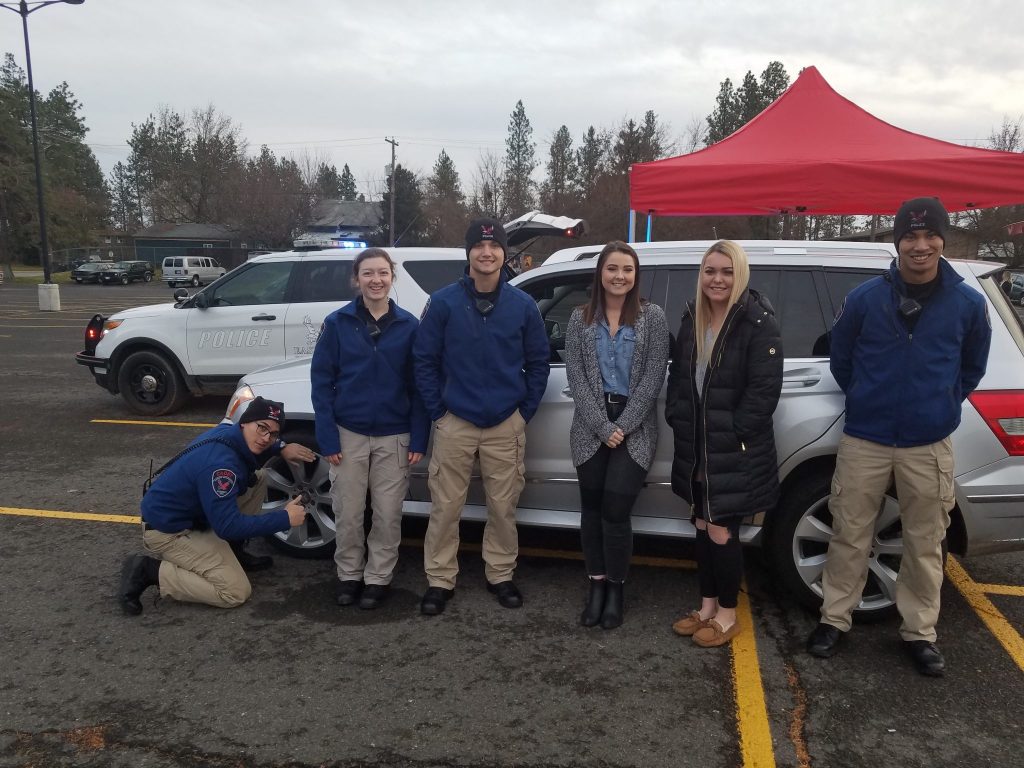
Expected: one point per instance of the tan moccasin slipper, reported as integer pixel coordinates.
(711, 635)
(689, 624)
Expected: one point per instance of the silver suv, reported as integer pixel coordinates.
(806, 282)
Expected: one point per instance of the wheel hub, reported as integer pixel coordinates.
(149, 383)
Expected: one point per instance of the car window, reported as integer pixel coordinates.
(260, 284)
(800, 315)
(193, 262)
(556, 298)
(432, 275)
(841, 281)
(214, 263)
(325, 281)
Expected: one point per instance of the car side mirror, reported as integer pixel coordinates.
(201, 301)
(181, 294)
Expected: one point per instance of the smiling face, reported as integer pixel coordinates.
(618, 275)
(260, 435)
(716, 279)
(485, 261)
(374, 279)
(920, 250)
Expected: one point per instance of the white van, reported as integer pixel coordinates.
(195, 270)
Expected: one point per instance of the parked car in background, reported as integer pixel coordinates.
(806, 282)
(125, 272)
(89, 272)
(1017, 288)
(190, 270)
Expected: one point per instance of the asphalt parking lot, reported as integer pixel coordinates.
(291, 680)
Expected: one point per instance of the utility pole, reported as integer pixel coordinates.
(391, 229)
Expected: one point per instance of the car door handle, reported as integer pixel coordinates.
(794, 382)
(568, 392)
(265, 317)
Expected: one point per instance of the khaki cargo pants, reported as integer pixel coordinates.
(199, 566)
(924, 485)
(380, 465)
(501, 449)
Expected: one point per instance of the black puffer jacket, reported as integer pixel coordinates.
(732, 419)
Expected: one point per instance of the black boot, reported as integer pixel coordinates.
(249, 561)
(614, 605)
(137, 573)
(591, 615)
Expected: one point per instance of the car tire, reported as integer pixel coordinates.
(195, 281)
(315, 537)
(150, 384)
(148, 277)
(125, 280)
(799, 540)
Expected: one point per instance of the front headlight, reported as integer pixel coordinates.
(243, 395)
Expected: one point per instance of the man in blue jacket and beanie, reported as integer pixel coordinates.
(481, 357)
(205, 497)
(907, 348)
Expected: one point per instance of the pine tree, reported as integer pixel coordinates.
(557, 194)
(444, 204)
(347, 184)
(591, 161)
(520, 163)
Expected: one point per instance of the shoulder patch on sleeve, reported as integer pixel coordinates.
(223, 482)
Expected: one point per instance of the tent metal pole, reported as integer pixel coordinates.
(631, 236)
(650, 218)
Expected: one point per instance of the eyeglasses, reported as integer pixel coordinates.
(263, 431)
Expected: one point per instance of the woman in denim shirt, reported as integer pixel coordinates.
(616, 350)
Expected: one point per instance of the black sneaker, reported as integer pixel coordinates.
(138, 572)
(824, 640)
(508, 594)
(926, 657)
(373, 595)
(434, 600)
(347, 592)
(250, 562)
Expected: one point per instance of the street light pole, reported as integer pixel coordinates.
(23, 10)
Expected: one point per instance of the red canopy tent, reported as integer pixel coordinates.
(813, 151)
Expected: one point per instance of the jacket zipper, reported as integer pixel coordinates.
(720, 343)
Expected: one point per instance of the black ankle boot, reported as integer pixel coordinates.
(591, 615)
(614, 605)
(137, 573)
(249, 561)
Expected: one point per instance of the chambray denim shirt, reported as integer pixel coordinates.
(615, 356)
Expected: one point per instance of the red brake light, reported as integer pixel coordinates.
(1003, 411)
(93, 332)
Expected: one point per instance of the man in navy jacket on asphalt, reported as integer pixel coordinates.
(481, 357)
(907, 348)
(205, 497)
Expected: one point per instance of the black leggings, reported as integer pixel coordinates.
(609, 483)
(719, 566)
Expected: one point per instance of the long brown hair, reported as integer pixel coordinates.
(631, 304)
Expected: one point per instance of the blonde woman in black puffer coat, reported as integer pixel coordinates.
(724, 384)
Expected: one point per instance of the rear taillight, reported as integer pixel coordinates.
(1003, 411)
(93, 333)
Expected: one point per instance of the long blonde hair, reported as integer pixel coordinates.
(740, 280)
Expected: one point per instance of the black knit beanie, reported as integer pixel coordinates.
(486, 229)
(262, 409)
(920, 213)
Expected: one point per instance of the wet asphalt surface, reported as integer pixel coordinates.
(289, 679)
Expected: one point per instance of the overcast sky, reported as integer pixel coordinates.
(334, 77)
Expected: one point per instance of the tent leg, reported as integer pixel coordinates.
(650, 218)
(631, 234)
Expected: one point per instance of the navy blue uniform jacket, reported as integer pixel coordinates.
(366, 388)
(200, 490)
(481, 367)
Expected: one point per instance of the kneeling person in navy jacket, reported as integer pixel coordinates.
(208, 496)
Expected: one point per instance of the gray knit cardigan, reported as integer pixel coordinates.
(639, 420)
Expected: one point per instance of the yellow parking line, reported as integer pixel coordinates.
(54, 514)
(987, 612)
(152, 423)
(751, 709)
(1002, 589)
